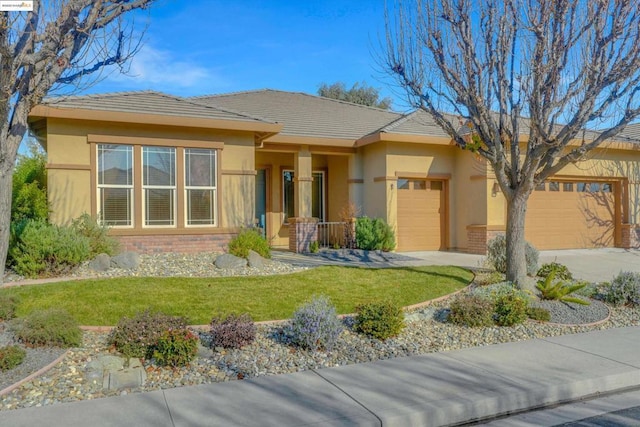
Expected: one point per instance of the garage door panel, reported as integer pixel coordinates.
(572, 219)
(419, 215)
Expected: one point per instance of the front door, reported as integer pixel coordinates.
(261, 200)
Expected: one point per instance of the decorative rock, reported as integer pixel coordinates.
(102, 262)
(124, 378)
(225, 261)
(126, 260)
(255, 260)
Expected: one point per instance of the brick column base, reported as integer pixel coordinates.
(630, 236)
(479, 235)
(302, 231)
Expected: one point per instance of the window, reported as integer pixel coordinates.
(419, 184)
(567, 187)
(554, 186)
(115, 185)
(200, 186)
(606, 187)
(403, 184)
(159, 185)
(317, 195)
(540, 186)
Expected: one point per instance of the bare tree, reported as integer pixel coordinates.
(526, 76)
(60, 43)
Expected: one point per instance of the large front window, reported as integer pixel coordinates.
(115, 185)
(317, 195)
(159, 185)
(200, 186)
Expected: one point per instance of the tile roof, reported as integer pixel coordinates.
(306, 115)
(147, 102)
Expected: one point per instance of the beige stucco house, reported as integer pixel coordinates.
(184, 174)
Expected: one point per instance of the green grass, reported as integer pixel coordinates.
(104, 301)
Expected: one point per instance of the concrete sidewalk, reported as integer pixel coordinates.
(430, 390)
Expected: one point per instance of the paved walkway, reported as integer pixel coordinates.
(431, 390)
(595, 265)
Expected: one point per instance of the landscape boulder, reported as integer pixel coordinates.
(226, 261)
(255, 260)
(126, 260)
(102, 262)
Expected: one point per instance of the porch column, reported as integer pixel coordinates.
(356, 180)
(303, 183)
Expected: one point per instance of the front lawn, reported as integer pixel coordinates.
(104, 301)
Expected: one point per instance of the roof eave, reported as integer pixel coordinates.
(403, 137)
(45, 111)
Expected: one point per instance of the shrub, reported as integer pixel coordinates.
(374, 234)
(472, 310)
(314, 247)
(232, 331)
(510, 309)
(315, 325)
(53, 327)
(29, 191)
(99, 241)
(624, 289)
(175, 347)
(249, 239)
(497, 255)
(539, 313)
(44, 249)
(8, 305)
(379, 320)
(497, 290)
(10, 357)
(559, 291)
(562, 272)
(136, 336)
(489, 278)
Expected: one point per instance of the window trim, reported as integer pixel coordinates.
(130, 187)
(174, 189)
(186, 188)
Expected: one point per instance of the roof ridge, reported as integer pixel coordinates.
(397, 122)
(215, 107)
(353, 104)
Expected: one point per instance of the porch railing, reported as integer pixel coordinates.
(332, 234)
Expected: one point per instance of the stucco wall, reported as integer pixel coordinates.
(69, 159)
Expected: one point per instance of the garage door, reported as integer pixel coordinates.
(420, 214)
(567, 215)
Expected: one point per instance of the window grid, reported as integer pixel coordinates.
(115, 185)
(158, 165)
(200, 187)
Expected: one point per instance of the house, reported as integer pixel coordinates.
(184, 174)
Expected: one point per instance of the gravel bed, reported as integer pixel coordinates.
(567, 312)
(176, 265)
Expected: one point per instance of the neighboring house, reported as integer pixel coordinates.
(184, 174)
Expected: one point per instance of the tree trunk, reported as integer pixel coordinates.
(6, 187)
(516, 260)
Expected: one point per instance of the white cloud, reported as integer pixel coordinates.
(162, 70)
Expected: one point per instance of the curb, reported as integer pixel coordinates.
(39, 372)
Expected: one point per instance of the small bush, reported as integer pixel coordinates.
(489, 278)
(379, 320)
(99, 241)
(471, 310)
(314, 247)
(538, 313)
(232, 331)
(315, 325)
(562, 272)
(249, 239)
(175, 347)
(11, 356)
(53, 327)
(374, 234)
(8, 305)
(624, 289)
(510, 309)
(497, 255)
(136, 336)
(29, 191)
(497, 290)
(41, 249)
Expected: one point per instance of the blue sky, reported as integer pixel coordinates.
(213, 46)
